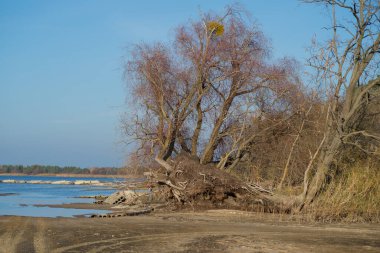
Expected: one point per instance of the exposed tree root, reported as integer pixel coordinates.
(186, 183)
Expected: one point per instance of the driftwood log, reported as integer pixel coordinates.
(121, 214)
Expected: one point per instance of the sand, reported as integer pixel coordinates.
(209, 231)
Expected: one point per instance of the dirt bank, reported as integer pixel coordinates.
(212, 231)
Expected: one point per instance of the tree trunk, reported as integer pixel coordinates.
(214, 138)
(326, 161)
(168, 147)
(197, 130)
(286, 169)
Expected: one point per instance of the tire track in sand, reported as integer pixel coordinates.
(14, 234)
(134, 239)
(40, 241)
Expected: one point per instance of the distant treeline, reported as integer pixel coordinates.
(43, 169)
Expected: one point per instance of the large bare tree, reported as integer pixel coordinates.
(217, 96)
(347, 65)
(198, 96)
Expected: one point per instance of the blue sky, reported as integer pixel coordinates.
(61, 86)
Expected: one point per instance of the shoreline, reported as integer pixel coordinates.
(60, 182)
(92, 180)
(71, 175)
(87, 206)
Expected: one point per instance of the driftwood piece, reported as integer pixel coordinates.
(164, 164)
(170, 184)
(121, 214)
(257, 188)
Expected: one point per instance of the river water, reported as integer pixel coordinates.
(23, 197)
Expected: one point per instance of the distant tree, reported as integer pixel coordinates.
(43, 169)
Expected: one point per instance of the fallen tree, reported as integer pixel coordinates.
(186, 182)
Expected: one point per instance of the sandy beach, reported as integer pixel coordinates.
(210, 231)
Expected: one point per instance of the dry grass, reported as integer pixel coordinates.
(352, 196)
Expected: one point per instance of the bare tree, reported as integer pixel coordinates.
(196, 97)
(347, 65)
(215, 95)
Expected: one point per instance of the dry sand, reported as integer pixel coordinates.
(211, 231)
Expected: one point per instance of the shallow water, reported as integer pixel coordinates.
(25, 196)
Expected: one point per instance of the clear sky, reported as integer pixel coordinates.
(61, 87)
